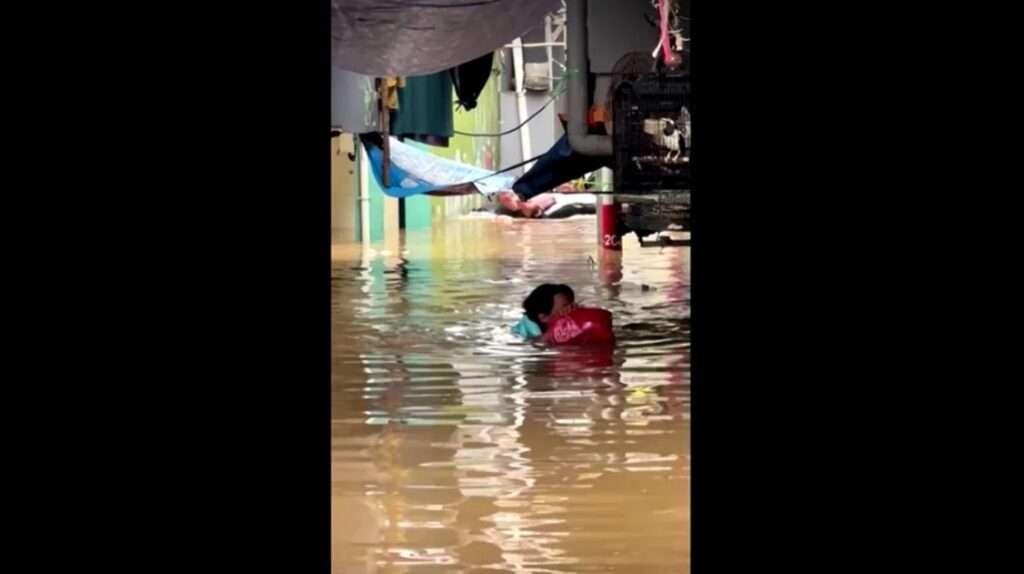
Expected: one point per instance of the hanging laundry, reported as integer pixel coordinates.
(425, 110)
(470, 78)
(393, 84)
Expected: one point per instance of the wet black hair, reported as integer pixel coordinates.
(542, 300)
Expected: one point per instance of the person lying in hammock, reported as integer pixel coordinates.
(562, 203)
(530, 195)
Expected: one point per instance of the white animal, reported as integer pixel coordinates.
(684, 118)
(668, 135)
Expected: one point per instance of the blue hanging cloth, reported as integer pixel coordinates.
(414, 171)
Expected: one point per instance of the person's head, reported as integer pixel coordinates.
(546, 301)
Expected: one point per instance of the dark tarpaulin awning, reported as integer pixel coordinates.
(415, 37)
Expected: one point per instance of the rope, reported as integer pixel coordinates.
(517, 128)
(558, 91)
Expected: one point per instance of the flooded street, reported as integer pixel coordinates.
(459, 448)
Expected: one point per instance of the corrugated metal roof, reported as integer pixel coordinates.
(413, 37)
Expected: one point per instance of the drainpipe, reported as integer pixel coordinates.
(579, 70)
(518, 72)
(364, 193)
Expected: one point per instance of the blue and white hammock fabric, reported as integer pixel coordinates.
(414, 171)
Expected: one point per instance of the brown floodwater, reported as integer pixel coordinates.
(457, 447)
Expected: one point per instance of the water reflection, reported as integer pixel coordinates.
(457, 447)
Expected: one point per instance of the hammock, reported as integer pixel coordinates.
(415, 172)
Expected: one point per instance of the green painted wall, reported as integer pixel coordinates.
(417, 212)
(376, 211)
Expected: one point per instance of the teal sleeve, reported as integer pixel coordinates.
(527, 328)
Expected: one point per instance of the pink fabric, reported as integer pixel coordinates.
(666, 50)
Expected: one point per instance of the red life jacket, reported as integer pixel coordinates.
(582, 326)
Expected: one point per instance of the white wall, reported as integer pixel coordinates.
(348, 104)
(545, 129)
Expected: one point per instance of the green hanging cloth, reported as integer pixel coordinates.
(425, 109)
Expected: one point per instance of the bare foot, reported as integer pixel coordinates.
(509, 200)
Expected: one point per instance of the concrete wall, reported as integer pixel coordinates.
(343, 190)
(545, 129)
(617, 28)
(349, 108)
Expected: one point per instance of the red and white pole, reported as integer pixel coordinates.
(608, 236)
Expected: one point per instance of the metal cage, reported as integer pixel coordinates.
(651, 133)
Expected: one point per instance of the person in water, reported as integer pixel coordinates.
(552, 316)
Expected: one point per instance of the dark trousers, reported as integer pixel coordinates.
(558, 166)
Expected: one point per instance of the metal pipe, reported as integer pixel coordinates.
(547, 44)
(550, 54)
(524, 132)
(609, 223)
(385, 115)
(364, 194)
(604, 185)
(578, 98)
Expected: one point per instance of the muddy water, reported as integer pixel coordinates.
(457, 447)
